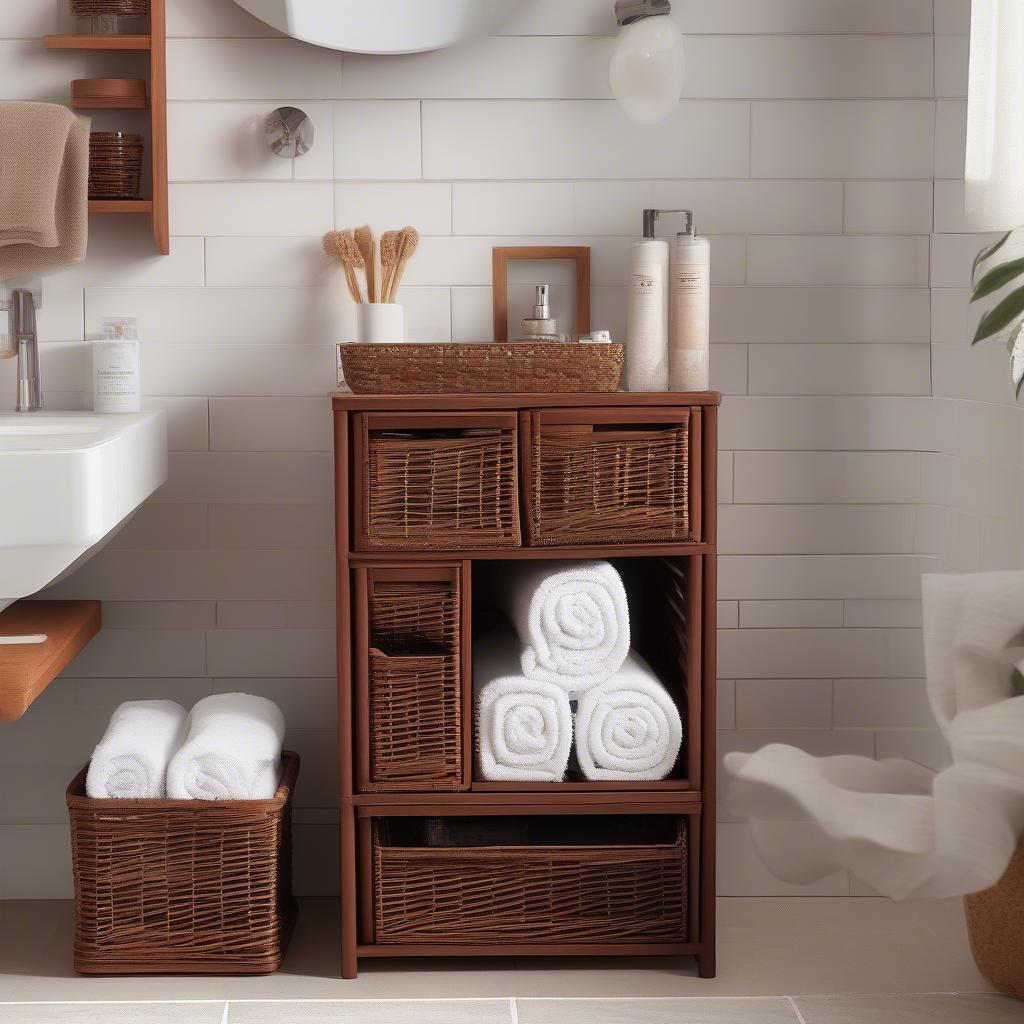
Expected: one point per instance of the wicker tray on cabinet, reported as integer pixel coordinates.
(481, 368)
(182, 886)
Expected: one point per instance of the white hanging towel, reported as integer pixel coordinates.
(232, 751)
(130, 762)
(905, 830)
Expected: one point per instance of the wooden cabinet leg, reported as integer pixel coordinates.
(349, 937)
(706, 965)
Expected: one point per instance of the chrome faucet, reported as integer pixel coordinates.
(23, 340)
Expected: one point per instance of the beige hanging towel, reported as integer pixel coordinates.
(44, 179)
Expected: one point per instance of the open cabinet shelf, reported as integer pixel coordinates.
(155, 44)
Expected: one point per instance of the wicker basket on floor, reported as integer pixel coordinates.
(182, 886)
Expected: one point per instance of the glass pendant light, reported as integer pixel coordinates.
(646, 70)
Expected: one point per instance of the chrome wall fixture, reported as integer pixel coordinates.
(289, 132)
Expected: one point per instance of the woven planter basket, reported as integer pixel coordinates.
(415, 698)
(115, 165)
(182, 886)
(524, 894)
(481, 368)
(995, 927)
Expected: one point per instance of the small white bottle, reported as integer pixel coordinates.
(115, 367)
(689, 312)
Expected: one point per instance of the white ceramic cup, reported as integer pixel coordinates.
(381, 321)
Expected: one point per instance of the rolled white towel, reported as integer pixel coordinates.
(524, 726)
(628, 729)
(232, 751)
(130, 762)
(572, 619)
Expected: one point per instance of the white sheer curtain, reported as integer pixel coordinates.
(994, 193)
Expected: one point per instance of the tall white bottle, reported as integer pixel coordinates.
(647, 312)
(689, 312)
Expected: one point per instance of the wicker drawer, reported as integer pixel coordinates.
(409, 676)
(624, 878)
(624, 476)
(437, 481)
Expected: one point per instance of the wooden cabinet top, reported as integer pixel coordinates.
(346, 400)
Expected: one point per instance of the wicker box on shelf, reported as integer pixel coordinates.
(438, 481)
(610, 476)
(529, 894)
(115, 165)
(182, 886)
(413, 694)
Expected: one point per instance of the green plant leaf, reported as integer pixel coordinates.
(1017, 680)
(997, 277)
(989, 250)
(1014, 335)
(1001, 316)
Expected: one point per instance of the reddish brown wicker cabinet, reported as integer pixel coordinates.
(433, 494)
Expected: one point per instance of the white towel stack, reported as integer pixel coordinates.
(572, 619)
(232, 751)
(229, 748)
(524, 726)
(572, 624)
(628, 728)
(130, 762)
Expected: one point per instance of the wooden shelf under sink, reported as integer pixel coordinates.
(27, 669)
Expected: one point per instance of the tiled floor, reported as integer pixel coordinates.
(781, 961)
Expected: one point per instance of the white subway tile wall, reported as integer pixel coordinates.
(820, 143)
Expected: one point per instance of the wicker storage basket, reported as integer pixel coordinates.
(481, 368)
(617, 481)
(182, 886)
(115, 165)
(98, 8)
(414, 698)
(995, 928)
(439, 481)
(530, 894)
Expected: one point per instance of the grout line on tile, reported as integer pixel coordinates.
(796, 1010)
(513, 1010)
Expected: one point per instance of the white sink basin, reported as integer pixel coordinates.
(68, 480)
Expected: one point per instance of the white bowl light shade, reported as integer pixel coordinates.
(994, 190)
(647, 68)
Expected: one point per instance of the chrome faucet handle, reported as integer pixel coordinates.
(22, 320)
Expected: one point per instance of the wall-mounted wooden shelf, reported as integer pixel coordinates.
(73, 42)
(155, 43)
(27, 669)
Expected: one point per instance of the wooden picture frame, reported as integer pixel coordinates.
(502, 254)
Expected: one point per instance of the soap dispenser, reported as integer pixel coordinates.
(541, 326)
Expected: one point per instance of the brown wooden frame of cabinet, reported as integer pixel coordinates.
(693, 797)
